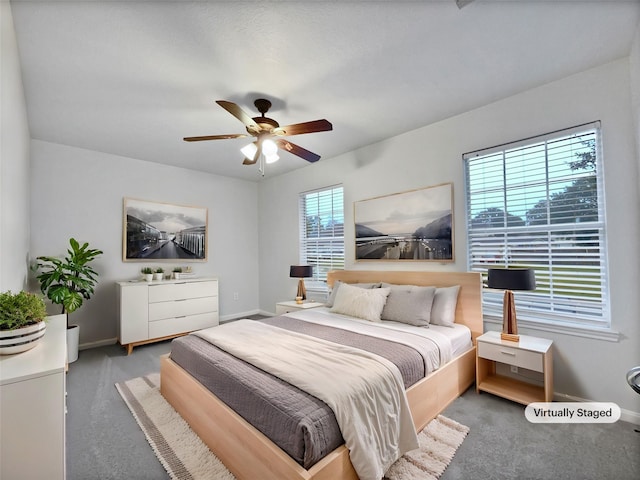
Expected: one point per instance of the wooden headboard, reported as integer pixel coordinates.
(469, 308)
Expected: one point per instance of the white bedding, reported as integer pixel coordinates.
(444, 343)
(373, 413)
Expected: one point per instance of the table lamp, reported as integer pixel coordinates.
(301, 272)
(510, 279)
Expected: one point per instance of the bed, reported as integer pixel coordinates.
(250, 454)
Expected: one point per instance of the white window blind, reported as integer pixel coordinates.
(539, 203)
(322, 231)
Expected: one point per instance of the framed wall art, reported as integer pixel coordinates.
(162, 231)
(414, 225)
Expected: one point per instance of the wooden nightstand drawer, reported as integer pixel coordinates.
(512, 356)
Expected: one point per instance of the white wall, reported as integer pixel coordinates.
(584, 368)
(14, 163)
(79, 193)
(634, 65)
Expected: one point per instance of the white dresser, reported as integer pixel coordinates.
(154, 311)
(32, 408)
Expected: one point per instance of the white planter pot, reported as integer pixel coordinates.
(73, 338)
(148, 277)
(21, 339)
(158, 276)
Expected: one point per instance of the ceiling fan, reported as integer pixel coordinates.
(268, 134)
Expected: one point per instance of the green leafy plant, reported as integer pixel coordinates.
(159, 270)
(18, 310)
(70, 280)
(177, 269)
(147, 271)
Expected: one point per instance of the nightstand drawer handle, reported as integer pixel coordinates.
(513, 354)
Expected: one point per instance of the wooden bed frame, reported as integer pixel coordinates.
(249, 454)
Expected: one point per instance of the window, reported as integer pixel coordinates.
(539, 203)
(322, 232)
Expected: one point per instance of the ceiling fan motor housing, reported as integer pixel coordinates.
(263, 105)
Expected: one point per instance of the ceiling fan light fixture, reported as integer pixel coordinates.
(249, 151)
(271, 158)
(269, 147)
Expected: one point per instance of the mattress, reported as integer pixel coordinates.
(300, 424)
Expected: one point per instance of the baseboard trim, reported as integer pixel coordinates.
(99, 343)
(625, 415)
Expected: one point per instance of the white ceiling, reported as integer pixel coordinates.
(133, 78)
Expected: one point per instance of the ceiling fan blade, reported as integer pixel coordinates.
(306, 127)
(258, 151)
(215, 137)
(297, 150)
(246, 161)
(240, 114)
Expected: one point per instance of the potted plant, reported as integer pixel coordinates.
(148, 273)
(176, 272)
(68, 282)
(22, 323)
(158, 274)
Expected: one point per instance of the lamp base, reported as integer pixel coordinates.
(510, 337)
(509, 322)
(302, 291)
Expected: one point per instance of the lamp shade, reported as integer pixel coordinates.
(511, 278)
(301, 271)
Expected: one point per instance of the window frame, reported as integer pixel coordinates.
(334, 262)
(478, 237)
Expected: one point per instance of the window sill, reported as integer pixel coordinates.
(596, 333)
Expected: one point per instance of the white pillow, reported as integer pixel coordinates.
(358, 302)
(336, 285)
(409, 304)
(443, 310)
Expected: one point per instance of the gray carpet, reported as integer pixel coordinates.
(104, 442)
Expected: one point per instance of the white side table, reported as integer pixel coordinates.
(531, 353)
(292, 306)
(32, 407)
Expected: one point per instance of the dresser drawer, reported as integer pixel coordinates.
(182, 291)
(181, 308)
(512, 356)
(173, 326)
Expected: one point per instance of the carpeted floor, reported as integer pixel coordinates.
(103, 443)
(184, 456)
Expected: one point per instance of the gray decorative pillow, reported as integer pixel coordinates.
(443, 310)
(366, 303)
(336, 285)
(409, 304)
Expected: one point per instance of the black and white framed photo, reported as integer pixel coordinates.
(163, 231)
(414, 225)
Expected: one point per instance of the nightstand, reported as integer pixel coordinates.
(292, 306)
(531, 353)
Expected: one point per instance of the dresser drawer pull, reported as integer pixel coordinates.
(181, 316)
(513, 354)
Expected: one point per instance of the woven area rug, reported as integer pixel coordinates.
(184, 456)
